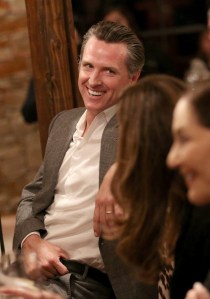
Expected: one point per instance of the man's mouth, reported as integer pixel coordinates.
(95, 93)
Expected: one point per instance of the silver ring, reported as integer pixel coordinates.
(108, 212)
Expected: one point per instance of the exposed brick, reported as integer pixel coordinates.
(20, 152)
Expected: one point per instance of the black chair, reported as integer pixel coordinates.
(2, 239)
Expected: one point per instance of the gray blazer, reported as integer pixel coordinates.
(39, 194)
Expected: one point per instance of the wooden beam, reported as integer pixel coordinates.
(54, 59)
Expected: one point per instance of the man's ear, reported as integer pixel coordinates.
(136, 76)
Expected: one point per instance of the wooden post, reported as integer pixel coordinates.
(54, 59)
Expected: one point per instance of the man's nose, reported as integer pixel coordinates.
(95, 78)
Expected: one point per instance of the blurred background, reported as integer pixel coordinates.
(170, 30)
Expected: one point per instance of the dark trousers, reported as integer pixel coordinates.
(74, 286)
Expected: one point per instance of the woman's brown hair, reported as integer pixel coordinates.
(150, 194)
(199, 98)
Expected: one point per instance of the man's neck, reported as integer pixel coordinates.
(89, 119)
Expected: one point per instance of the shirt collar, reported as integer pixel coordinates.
(108, 114)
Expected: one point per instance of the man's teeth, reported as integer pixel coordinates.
(95, 93)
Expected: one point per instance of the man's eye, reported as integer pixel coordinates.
(109, 71)
(87, 66)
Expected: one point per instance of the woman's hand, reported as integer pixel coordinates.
(198, 292)
(106, 209)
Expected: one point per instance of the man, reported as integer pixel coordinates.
(55, 215)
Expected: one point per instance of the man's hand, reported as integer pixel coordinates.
(42, 259)
(106, 209)
(198, 292)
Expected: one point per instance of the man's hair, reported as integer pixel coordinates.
(111, 32)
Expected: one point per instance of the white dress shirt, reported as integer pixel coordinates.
(69, 219)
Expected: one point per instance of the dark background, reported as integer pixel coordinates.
(172, 25)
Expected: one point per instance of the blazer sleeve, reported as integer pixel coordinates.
(25, 220)
(38, 195)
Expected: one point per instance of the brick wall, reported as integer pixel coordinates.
(20, 152)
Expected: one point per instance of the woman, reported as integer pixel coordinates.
(158, 224)
(190, 153)
(199, 68)
(142, 185)
(191, 146)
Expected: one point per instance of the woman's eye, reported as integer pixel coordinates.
(183, 138)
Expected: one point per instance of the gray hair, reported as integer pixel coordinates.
(111, 32)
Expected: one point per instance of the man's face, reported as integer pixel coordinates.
(103, 74)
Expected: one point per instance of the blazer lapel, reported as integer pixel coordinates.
(108, 147)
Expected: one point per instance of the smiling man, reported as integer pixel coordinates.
(55, 214)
